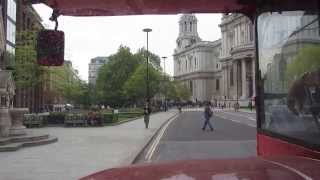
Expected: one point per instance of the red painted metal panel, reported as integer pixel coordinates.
(274, 168)
(130, 7)
(269, 146)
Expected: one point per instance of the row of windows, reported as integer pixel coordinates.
(196, 64)
(186, 26)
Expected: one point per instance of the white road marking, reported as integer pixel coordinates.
(290, 169)
(236, 121)
(248, 117)
(157, 140)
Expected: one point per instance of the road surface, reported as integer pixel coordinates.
(234, 137)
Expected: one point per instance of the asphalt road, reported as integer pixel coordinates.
(246, 118)
(184, 138)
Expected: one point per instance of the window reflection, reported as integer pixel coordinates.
(11, 32)
(289, 60)
(12, 9)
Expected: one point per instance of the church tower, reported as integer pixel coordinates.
(188, 32)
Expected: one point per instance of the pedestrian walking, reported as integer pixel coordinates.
(207, 116)
(236, 107)
(250, 105)
(179, 108)
(146, 112)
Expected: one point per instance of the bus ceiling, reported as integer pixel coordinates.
(138, 7)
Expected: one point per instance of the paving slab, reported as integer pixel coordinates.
(80, 151)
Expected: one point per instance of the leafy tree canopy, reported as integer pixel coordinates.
(27, 72)
(113, 75)
(307, 60)
(136, 86)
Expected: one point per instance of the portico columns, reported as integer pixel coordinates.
(253, 77)
(244, 79)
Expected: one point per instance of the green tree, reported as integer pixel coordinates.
(154, 59)
(183, 92)
(66, 83)
(27, 72)
(307, 60)
(136, 86)
(113, 75)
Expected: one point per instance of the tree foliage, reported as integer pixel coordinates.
(178, 91)
(27, 72)
(135, 87)
(66, 83)
(154, 59)
(122, 74)
(307, 60)
(122, 81)
(113, 75)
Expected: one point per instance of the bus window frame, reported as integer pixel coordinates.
(260, 100)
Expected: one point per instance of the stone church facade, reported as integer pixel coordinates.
(237, 60)
(221, 71)
(196, 62)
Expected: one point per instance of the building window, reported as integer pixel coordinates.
(191, 87)
(12, 10)
(251, 32)
(186, 65)
(10, 49)
(190, 26)
(11, 32)
(242, 37)
(23, 21)
(28, 23)
(217, 84)
(231, 76)
(185, 26)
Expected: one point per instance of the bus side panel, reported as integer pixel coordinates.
(270, 146)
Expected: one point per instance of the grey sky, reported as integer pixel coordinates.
(88, 37)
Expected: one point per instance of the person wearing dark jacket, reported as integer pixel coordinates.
(147, 112)
(207, 116)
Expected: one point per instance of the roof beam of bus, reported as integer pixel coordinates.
(136, 7)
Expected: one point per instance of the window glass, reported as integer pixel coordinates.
(10, 49)
(12, 9)
(11, 32)
(289, 51)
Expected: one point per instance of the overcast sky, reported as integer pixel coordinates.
(88, 37)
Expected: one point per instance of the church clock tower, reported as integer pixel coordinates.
(188, 32)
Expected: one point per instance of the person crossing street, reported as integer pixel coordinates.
(207, 116)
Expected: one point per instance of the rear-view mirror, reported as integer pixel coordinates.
(50, 48)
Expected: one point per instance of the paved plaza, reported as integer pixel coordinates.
(80, 151)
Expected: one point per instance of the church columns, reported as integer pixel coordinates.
(244, 79)
(253, 77)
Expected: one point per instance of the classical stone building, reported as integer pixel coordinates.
(196, 62)
(237, 60)
(94, 66)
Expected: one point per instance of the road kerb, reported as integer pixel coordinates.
(152, 138)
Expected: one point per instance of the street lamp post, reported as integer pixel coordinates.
(147, 107)
(165, 87)
(147, 30)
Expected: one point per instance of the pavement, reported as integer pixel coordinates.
(184, 139)
(80, 151)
